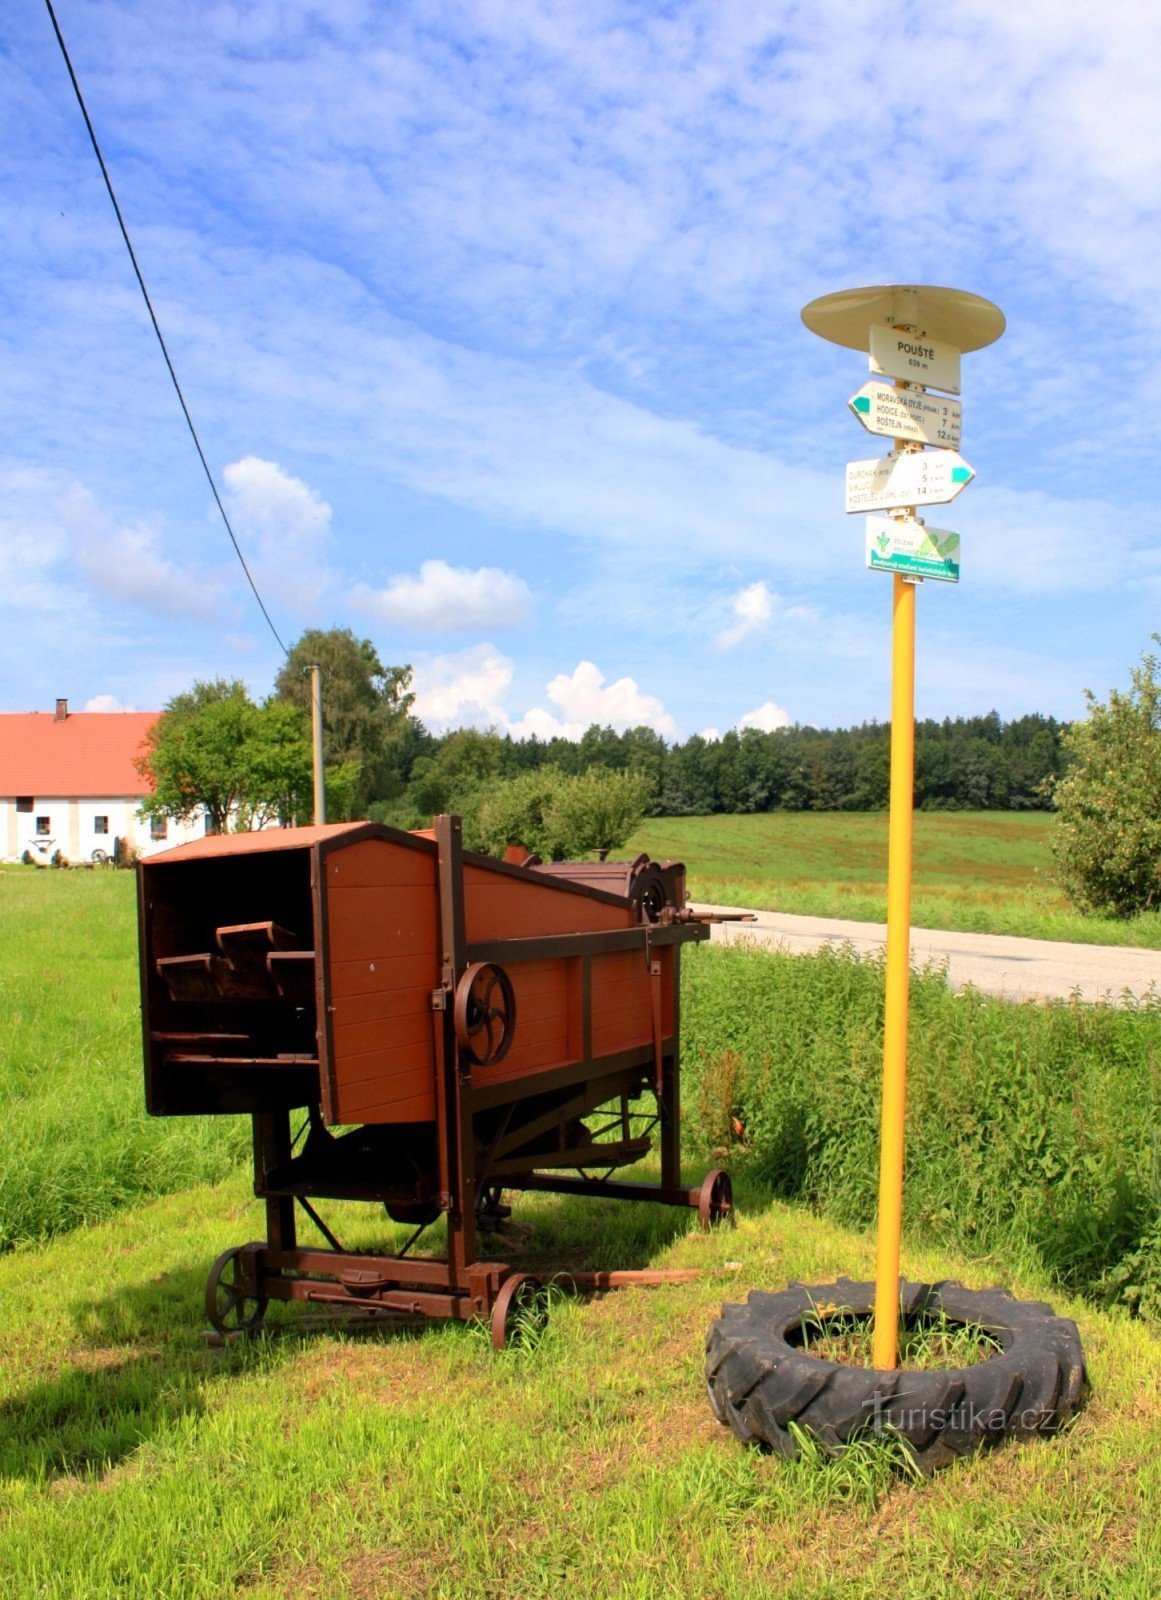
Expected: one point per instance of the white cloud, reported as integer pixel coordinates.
(446, 599)
(289, 526)
(765, 717)
(753, 607)
(130, 562)
(583, 698)
(467, 687)
(472, 687)
(711, 735)
(107, 702)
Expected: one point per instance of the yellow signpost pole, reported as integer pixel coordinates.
(929, 328)
(898, 976)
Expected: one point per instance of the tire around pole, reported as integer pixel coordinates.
(760, 1378)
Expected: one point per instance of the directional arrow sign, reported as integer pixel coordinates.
(906, 478)
(908, 414)
(906, 545)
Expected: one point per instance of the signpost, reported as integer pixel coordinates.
(914, 334)
(906, 478)
(908, 414)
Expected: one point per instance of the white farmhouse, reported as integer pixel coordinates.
(69, 782)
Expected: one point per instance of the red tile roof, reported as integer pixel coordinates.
(87, 753)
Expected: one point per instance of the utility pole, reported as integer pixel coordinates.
(316, 730)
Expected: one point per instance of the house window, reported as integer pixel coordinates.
(100, 824)
(43, 827)
(159, 828)
(24, 803)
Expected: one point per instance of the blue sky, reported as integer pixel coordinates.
(488, 315)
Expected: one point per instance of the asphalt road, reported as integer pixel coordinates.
(1017, 969)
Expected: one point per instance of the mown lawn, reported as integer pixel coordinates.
(976, 871)
(135, 1461)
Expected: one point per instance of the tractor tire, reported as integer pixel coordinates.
(761, 1379)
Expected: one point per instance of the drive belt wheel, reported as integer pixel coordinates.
(761, 1376)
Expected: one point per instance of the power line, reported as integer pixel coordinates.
(157, 327)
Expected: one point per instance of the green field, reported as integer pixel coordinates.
(976, 871)
(137, 1462)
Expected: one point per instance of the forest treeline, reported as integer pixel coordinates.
(977, 763)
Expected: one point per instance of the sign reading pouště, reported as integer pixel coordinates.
(898, 353)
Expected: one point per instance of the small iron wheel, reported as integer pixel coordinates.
(485, 1013)
(518, 1308)
(716, 1201)
(233, 1305)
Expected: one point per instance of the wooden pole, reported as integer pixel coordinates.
(316, 729)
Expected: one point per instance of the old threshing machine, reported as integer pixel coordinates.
(439, 1024)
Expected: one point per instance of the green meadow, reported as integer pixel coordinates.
(318, 1461)
(975, 871)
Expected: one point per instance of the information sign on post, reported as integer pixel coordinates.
(906, 478)
(914, 334)
(908, 546)
(914, 357)
(908, 414)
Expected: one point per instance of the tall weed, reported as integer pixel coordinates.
(1031, 1129)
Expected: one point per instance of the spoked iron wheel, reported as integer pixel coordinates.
(232, 1303)
(485, 1013)
(716, 1201)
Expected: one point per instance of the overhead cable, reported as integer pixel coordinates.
(157, 328)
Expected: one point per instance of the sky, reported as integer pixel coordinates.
(488, 315)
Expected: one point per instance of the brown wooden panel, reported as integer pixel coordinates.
(380, 974)
(384, 1005)
(353, 1038)
(383, 963)
(388, 1065)
(381, 922)
(381, 864)
(366, 1102)
(498, 906)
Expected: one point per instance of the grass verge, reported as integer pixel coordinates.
(135, 1462)
(1031, 1129)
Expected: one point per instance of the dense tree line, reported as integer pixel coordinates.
(214, 746)
(978, 763)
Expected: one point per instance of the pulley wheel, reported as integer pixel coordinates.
(485, 1013)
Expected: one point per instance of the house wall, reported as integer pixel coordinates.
(72, 826)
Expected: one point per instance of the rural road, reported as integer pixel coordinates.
(1017, 969)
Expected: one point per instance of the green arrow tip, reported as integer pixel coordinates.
(862, 404)
(962, 474)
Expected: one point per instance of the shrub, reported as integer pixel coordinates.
(1107, 839)
(557, 816)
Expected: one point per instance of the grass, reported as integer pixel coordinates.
(975, 871)
(77, 1141)
(925, 1343)
(136, 1462)
(1032, 1129)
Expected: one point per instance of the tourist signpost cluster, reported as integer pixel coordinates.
(914, 335)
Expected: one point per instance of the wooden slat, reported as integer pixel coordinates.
(365, 921)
